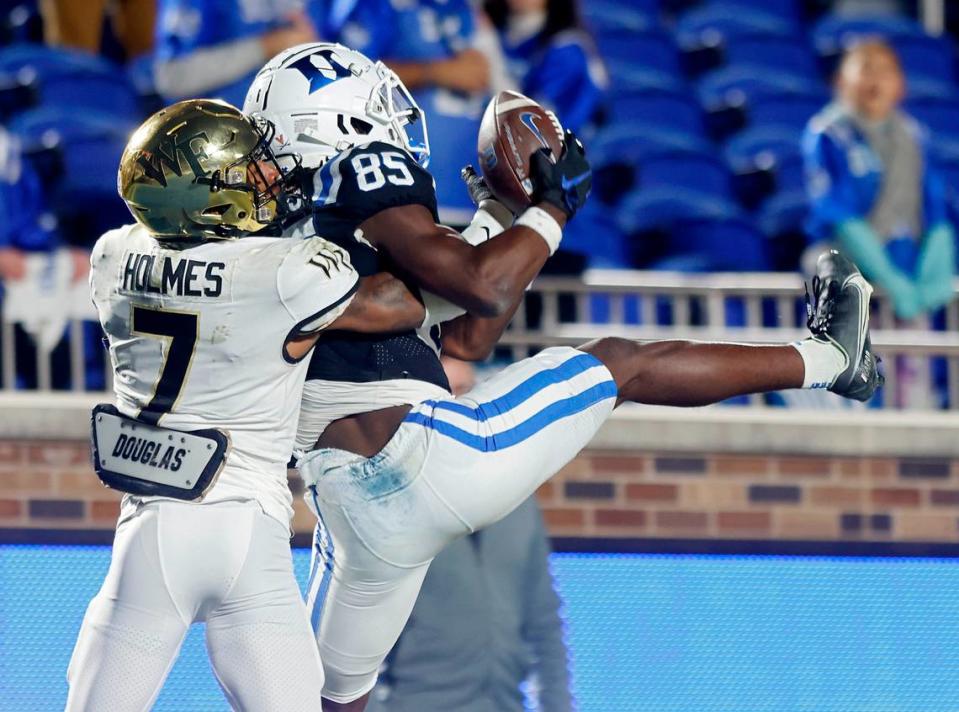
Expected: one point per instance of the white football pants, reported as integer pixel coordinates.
(173, 563)
(454, 466)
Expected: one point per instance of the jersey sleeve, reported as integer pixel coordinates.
(369, 179)
(316, 283)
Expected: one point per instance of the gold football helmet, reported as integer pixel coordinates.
(201, 169)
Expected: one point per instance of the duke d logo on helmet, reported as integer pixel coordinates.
(319, 77)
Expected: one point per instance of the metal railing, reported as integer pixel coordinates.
(646, 306)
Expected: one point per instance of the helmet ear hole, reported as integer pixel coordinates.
(216, 210)
(360, 126)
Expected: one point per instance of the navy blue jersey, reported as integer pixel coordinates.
(355, 186)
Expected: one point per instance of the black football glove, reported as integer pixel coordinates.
(476, 185)
(565, 183)
(483, 197)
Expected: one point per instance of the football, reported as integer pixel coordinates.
(513, 128)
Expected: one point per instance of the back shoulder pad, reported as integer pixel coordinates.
(314, 282)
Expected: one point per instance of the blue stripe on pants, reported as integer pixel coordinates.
(317, 613)
(550, 414)
(524, 391)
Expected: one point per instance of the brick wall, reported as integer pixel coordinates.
(49, 484)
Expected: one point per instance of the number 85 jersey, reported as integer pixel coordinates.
(197, 336)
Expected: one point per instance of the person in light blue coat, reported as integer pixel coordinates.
(873, 187)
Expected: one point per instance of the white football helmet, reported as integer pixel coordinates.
(324, 98)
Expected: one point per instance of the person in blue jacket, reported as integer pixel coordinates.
(28, 227)
(873, 187)
(553, 60)
(214, 48)
(436, 48)
(552, 57)
(26, 224)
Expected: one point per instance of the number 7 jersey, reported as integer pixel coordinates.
(196, 335)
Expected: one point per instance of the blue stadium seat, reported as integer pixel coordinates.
(617, 152)
(633, 141)
(761, 147)
(716, 24)
(684, 170)
(926, 87)
(72, 79)
(940, 116)
(703, 233)
(602, 16)
(89, 144)
(791, 10)
(645, 50)
(740, 85)
(661, 207)
(926, 58)
(86, 148)
(782, 218)
(730, 244)
(784, 213)
(596, 234)
(790, 173)
(677, 109)
(785, 110)
(631, 78)
(792, 55)
(649, 216)
(832, 33)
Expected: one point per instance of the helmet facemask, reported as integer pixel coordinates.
(392, 103)
(275, 196)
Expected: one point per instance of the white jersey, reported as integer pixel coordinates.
(197, 340)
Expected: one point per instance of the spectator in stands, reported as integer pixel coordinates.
(872, 186)
(214, 48)
(434, 51)
(552, 57)
(486, 625)
(79, 25)
(40, 278)
(438, 49)
(24, 224)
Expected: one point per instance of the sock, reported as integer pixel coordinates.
(823, 362)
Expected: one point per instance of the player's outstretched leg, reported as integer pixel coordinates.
(837, 356)
(459, 464)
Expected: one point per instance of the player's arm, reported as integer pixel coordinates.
(382, 304)
(318, 287)
(483, 280)
(466, 336)
(473, 338)
(488, 279)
